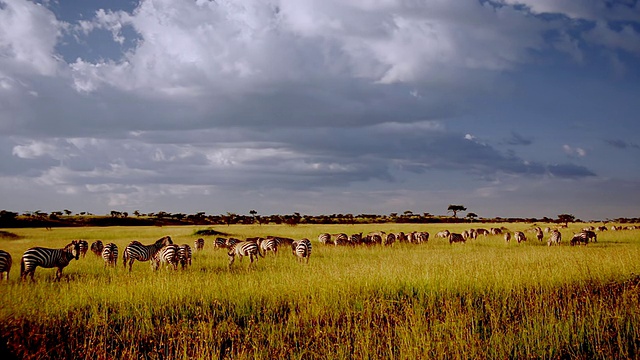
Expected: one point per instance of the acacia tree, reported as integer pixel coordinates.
(455, 208)
(566, 218)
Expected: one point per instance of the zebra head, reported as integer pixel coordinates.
(164, 241)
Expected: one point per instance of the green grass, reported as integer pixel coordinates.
(482, 299)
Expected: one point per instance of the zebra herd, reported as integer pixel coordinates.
(164, 252)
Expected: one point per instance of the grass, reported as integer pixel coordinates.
(482, 299)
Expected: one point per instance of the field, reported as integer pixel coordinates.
(483, 299)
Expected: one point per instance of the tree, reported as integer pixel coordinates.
(566, 218)
(455, 208)
(472, 215)
(67, 212)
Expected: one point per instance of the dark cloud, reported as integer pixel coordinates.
(570, 171)
(621, 144)
(518, 139)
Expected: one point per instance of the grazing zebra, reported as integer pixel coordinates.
(579, 238)
(454, 237)
(110, 255)
(169, 254)
(48, 258)
(539, 234)
(547, 229)
(96, 247)
(269, 244)
(519, 236)
(591, 236)
(423, 237)
(220, 243)
(244, 248)
(389, 239)
(355, 239)
(84, 246)
(373, 238)
(325, 239)
(301, 249)
(283, 240)
(199, 244)
(184, 255)
(495, 231)
(137, 251)
(5, 264)
(601, 228)
(554, 238)
(443, 234)
(507, 236)
(341, 239)
(483, 232)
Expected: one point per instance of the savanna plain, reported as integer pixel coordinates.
(483, 299)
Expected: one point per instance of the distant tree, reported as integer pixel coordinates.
(566, 218)
(408, 213)
(136, 213)
(125, 214)
(472, 215)
(67, 212)
(256, 218)
(455, 208)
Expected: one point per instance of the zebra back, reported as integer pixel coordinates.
(325, 239)
(167, 255)
(184, 255)
(97, 247)
(84, 246)
(199, 244)
(554, 238)
(110, 255)
(5, 264)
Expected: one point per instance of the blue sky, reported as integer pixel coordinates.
(513, 108)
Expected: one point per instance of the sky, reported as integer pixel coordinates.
(512, 108)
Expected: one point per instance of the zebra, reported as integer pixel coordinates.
(423, 237)
(389, 239)
(137, 251)
(454, 237)
(495, 231)
(373, 238)
(84, 246)
(220, 243)
(355, 239)
(591, 236)
(483, 232)
(110, 255)
(96, 247)
(269, 244)
(539, 234)
(48, 258)
(301, 249)
(230, 242)
(184, 255)
(244, 248)
(341, 239)
(579, 238)
(443, 234)
(519, 236)
(198, 244)
(5, 264)
(325, 238)
(168, 254)
(554, 238)
(507, 236)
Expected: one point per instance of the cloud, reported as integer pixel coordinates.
(517, 139)
(621, 144)
(574, 151)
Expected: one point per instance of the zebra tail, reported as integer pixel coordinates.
(21, 267)
(260, 252)
(124, 258)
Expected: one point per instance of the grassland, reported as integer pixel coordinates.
(482, 299)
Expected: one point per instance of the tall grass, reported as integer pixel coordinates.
(483, 299)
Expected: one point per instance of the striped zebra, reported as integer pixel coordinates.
(539, 234)
(374, 238)
(301, 249)
(84, 246)
(230, 242)
(423, 237)
(96, 247)
(48, 258)
(167, 255)
(340, 239)
(198, 244)
(389, 239)
(325, 239)
(591, 236)
(269, 244)
(554, 238)
(355, 239)
(495, 231)
(483, 232)
(244, 248)
(137, 251)
(220, 243)
(579, 238)
(507, 236)
(454, 237)
(283, 240)
(110, 255)
(519, 236)
(5, 264)
(184, 255)
(443, 234)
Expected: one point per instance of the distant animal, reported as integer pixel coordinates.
(443, 234)
(539, 234)
(5, 264)
(579, 238)
(220, 243)
(325, 239)
(507, 236)
(340, 239)
(389, 239)
(454, 237)
(301, 250)
(198, 244)
(554, 238)
(519, 236)
(137, 251)
(244, 248)
(84, 246)
(184, 255)
(48, 258)
(423, 237)
(110, 255)
(269, 244)
(96, 247)
(168, 255)
(591, 236)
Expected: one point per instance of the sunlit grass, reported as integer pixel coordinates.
(482, 299)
